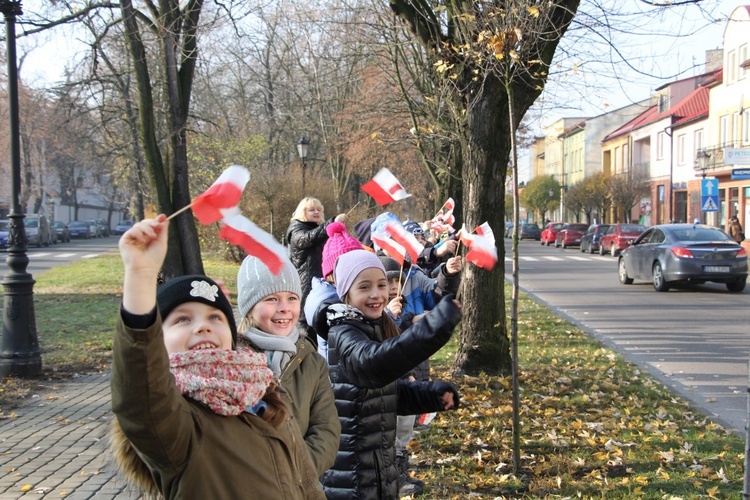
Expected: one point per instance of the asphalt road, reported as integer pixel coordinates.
(695, 340)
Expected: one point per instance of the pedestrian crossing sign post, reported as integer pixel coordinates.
(709, 195)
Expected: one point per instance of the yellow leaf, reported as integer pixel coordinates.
(712, 492)
(533, 12)
(26, 487)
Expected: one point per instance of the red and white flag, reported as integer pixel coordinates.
(405, 239)
(241, 231)
(222, 197)
(485, 230)
(385, 188)
(449, 219)
(450, 204)
(394, 250)
(482, 251)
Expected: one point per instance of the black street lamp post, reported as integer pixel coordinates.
(303, 148)
(19, 352)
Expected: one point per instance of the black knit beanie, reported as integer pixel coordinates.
(195, 288)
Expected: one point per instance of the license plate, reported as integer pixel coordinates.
(716, 269)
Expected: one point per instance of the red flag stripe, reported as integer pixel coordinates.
(385, 188)
(405, 239)
(482, 253)
(392, 248)
(224, 193)
(239, 230)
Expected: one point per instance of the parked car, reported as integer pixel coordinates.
(570, 235)
(62, 231)
(550, 232)
(79, 229)
(52, 233)
(4, 231)
(94, 229)
(508, 229)
(672, 254)
(122, 226)
(590, 239)
(37, 230)
(617, 236)
(102, 227)
(529, 231)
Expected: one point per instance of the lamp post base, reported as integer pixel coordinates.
(20, 354)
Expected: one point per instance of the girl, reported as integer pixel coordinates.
(366, 358)
(214, 427)
(270, 307)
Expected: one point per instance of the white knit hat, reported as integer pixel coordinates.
(255, 281)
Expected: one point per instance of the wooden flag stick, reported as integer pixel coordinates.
(179, 212)
(352, 209)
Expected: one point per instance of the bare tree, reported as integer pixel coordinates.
(626, 191)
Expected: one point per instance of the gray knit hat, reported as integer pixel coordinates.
(392, 268)
(255, 281)
(348, 267)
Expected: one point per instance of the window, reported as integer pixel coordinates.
(731, 68)
(735, 137)
(746, 127)
(681, 149)
(663, 102)
(660, 145)
(743, 58)
(618, 161)
(724, 132)
(698, 139)
(625, 156)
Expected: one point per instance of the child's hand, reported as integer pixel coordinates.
(454, 265)
(447, 400)
(449, 247)
(395, 306)
(144, 246)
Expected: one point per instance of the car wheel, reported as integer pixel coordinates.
(591, 248)
(622, 273)
(736, 286)
(657, 275)
(613, 250)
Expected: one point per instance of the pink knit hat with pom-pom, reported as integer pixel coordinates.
(339, 242)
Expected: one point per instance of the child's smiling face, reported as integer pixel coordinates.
(277, 313)
(369, 292)
(195, 325)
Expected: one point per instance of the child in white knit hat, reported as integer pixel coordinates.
(366, 359)
(270, 308)
(195, 417)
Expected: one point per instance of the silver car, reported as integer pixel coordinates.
(678, 254)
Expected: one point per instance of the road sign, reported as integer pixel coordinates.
(709, 187)
(709, 203)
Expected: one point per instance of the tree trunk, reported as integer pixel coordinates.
(484, 344)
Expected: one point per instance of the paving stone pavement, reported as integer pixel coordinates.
(56, 445)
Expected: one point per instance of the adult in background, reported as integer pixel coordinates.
(735, 230)
(306, 236)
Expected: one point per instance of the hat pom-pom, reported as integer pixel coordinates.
(335, 228)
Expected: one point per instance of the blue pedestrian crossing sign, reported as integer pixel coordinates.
(709, 195)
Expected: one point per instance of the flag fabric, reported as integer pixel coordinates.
(405, 239)
(395, 250)
(385, 188)
(450, 204)
(241, 231)
(482, 251)
(223, 195)
(485, 230)
(449, 219)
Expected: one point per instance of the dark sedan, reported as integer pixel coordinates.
(79, 229)
(590, 240)
(677, 254)
(529, 232)
(62, 231)
(570, 235)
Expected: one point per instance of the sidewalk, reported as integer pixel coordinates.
(56, 446)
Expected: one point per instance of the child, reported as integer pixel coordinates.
(366, 357)
(190, 421)
(270, 307)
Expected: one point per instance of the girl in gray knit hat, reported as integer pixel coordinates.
(270, 309)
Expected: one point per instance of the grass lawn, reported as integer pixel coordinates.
(592, 425)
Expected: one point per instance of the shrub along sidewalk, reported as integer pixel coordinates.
(592, 425)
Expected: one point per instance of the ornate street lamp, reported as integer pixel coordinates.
(702, 160)
(303, 148)
(19, 353)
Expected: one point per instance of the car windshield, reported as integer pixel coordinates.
(557, 226)
(578, 227)
(59, 224)
(130, 223)
(32, 223)
(530, 226)
(76, 224)
(700, 234)
(632, 228)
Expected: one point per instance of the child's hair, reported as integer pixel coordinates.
(308, 201)
(195, 288)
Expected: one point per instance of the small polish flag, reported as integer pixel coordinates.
(385, 188)
(241, 231)
(394, 250)
(450, 204)
(482, 253)
(223, 195)
(449, 219)
(485, 230)
(405, 239)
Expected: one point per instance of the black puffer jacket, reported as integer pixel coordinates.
(364, 370)
(306, 240)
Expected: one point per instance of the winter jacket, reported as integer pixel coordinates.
(306, 240)
(422, 292)
(365, 369)
(310, 398)
(191, 451)
(321, 295)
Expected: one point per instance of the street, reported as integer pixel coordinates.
(695, 340)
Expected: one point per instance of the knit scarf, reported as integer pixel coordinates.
(279, 350)
(224, 380)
